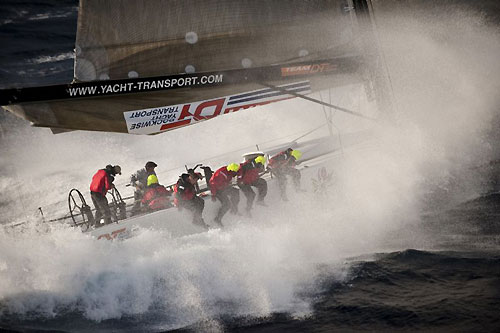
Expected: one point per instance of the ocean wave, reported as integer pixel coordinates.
(13, 16)
(404, 290)
(55, 58)
(45, 16)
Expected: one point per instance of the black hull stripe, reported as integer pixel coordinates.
(267, 90)
(95, 89)
(273, 94)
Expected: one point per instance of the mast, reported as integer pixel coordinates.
(378, 84)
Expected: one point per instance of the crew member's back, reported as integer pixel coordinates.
(156, 196)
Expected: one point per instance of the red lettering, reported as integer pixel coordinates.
(218, 103)
(107, 236)
(185, 112)
(174, 125)
(116, 232)
(316, 68)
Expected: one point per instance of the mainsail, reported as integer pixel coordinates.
(144, 67)
(123, 38)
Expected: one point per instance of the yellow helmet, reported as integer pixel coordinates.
(260, 159)
(152, 179)
(296, 153)
(233, 167)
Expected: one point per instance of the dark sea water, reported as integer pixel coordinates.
(453, 285)
(37, 39)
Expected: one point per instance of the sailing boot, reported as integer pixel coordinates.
(234, 211)
(200, 222)
(261, 203)
(218, 222)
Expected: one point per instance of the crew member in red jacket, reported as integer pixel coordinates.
(102, 182)
(283, 164)
(185, 197)
(156, 195)
(248, 176)
(220, 186)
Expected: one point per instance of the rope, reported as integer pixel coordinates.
(330, 119)
(309, 132)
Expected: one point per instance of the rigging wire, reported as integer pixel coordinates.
(332, 113)
(354, 113)
(330, 119)
(382, 54)
(327, 117)
(309, 132)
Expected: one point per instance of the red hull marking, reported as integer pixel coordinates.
(308, 69)
(218, 103)
(176, 124)
(113, 235)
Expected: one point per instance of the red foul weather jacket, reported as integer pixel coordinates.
(156, 197)
(101, 182)
(183, 191)
(221, 179)
(282, 160)
(249, 172)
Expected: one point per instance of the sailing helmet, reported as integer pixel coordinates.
(233, 167)
(150, 164)
(117, 170)
(152, 179)
(260, 159)
(296, 153)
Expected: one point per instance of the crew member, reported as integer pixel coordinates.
(185, 197)
(102, 182)
(220, 187)
(283, 164)
(156, 195)
(139, 180)
(248, 176)
(196, 176)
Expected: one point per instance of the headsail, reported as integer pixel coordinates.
(138, 57)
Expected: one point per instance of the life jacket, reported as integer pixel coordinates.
(249, 172)
(156, 197)
(282, 160)
(183, 191)
(101, 182)
(221, 179)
